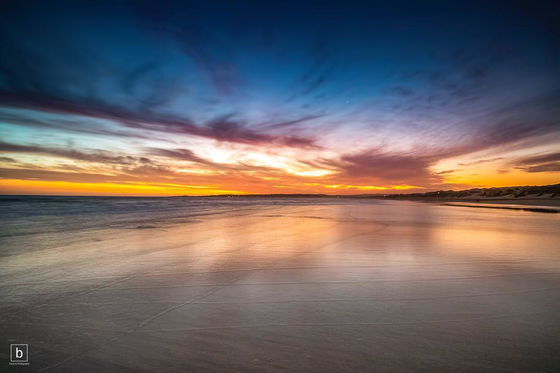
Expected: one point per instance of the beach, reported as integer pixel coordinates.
(226, 284)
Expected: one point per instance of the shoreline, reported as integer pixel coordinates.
(543, 205)
(546, 202)
(552, 210)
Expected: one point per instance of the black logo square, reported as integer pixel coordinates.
(19, 353)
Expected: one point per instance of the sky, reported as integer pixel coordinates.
(335, 97)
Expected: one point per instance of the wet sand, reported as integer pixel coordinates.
(520, 201)
(348, 286)
(504, 206)
(545, 202)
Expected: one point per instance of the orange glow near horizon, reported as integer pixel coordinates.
(37, 187)
(103, 189)
(513, 178)
(184, 179)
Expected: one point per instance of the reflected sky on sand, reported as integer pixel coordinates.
(302, 284)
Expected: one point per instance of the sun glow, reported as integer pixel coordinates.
(372, 187)
(310, 173)
(9, 186)
(197, 171)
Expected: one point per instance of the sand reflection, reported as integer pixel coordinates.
(307, 287)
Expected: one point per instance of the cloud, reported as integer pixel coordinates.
(97, 156)
(290, 123)
(377, 166)
(386, 166)
(546, 167)
(222, 128)
(68, 124)
(550, 157)
(508, 125)
(179, 154)
(541, 163)
(481, 161)
(53, 175)
(67, 78)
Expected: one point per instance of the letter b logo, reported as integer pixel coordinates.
(19, 353)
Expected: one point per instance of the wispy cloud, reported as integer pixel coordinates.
(541, 163)
(96, 156)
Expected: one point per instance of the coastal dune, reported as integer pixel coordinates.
(310, 285)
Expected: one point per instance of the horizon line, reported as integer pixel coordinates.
(373, 195)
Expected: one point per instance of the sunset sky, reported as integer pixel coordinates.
(335, 97)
